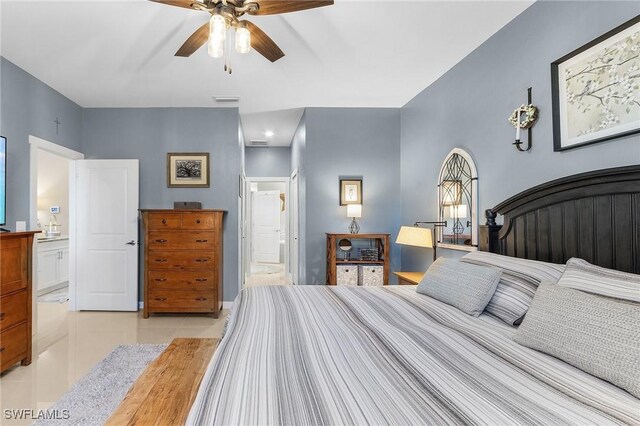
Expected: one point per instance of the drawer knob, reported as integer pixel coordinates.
(201, 299)
(201, 241)
(1, 315)
(164, 220)
(202, 260)
(161, 299)
(198, 221)
(161, 279)
(161, 241)
(201, 280)
(1, 349)
(161, 260)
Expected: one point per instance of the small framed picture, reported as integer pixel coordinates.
(188, 170)
(596, 89)
(350, 191)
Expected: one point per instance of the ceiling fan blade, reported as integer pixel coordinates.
(187, 4)
(194, 42)
(262, 43)
(273, 7)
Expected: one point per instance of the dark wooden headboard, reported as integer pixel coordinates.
(593, 215)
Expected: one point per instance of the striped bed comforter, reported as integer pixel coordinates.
(297, 355)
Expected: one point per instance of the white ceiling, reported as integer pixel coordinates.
(276, 127)
(356, 53)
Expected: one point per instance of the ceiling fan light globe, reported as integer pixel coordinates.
(243, 40)
(215, 47)
(218, 27)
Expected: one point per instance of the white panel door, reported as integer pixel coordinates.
(107, 234)
(265, 226)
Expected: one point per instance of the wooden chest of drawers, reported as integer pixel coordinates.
(182, 261)
(16, 250)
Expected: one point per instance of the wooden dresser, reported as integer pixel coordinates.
(16, 251)
(182, 261)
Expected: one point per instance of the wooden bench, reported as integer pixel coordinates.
(165, 391)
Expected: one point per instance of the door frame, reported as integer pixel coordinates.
(246, 242)
(35, 144)
(294, 222)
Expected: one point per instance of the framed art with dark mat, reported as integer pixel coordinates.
(188, 170)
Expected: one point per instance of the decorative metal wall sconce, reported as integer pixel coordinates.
(524, 117)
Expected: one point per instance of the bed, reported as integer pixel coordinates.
(341, 355)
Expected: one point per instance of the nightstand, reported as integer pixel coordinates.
(409, 278)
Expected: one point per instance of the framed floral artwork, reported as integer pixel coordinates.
(596, 89)
(188, 170)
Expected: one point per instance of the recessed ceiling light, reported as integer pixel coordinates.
(268, 133)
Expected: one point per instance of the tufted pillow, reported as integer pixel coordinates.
(463, 285)
(584, 276)
(596, 334)
(520, 278)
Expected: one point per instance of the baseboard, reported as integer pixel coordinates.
(140, 305)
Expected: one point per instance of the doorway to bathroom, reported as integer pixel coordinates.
(267, 232)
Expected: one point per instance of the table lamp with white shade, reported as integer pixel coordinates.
(354, 211)
(418, 237)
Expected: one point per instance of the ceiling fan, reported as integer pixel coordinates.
(225, 14)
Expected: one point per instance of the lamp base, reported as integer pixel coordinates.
(354, 228)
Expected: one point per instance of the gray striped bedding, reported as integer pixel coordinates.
(518, 283)
(298, 355)
(581, 275)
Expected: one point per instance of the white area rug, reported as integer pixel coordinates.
(262, 268)
(60, 295)
(96, 396)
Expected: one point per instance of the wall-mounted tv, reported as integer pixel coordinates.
(3, 180)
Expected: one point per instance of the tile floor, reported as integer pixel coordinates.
(69, 344)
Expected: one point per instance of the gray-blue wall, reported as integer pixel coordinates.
(468, 108)
(30, 107)
(149, 133)
(349, 142)
(268, 162)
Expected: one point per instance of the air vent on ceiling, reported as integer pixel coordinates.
(226, 99)
(259, 142)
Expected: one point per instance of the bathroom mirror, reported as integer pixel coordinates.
(457, 202)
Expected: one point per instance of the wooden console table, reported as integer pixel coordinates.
(381, 242)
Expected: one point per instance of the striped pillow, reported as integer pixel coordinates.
(518, 283)
(584, 276)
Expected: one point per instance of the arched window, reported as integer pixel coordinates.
(458, 202)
